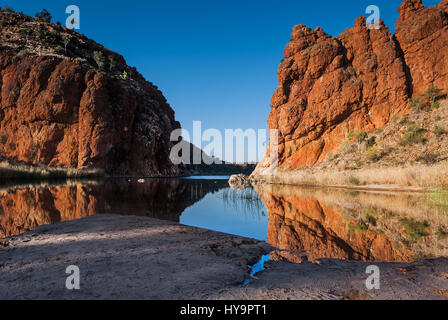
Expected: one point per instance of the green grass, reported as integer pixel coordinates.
(415, 230)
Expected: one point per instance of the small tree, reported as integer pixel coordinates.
(432, 94)
(100, 60)
(66, 38)
(359, 137)
(413, 135)
(112, 62)
(44, 15)
(417, 104)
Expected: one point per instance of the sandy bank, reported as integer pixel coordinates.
(142, 258)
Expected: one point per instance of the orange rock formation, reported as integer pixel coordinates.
(357, 81)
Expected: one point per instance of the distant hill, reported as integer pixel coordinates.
(215, 166)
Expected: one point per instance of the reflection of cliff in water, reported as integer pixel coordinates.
(321, 223)
(28, 207)
(355, 226)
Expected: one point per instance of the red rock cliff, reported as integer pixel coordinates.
(356, 81)
(78, 106)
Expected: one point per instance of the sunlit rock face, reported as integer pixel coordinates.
(25, 209)
(353, 226)
(75, 110)
(357, 81)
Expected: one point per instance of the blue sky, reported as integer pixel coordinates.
(215, 60)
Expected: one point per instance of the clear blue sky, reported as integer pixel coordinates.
(215, 60)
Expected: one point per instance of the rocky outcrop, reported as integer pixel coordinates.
(68, 102)
(357, 81)
(239, 182)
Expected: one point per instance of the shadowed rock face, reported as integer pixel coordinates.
(356, 81)
(25, 209)
(61, 109)
(340, 225)
(422, 33)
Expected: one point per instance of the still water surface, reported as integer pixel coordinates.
(322, 223)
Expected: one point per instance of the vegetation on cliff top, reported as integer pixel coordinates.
(39, 36)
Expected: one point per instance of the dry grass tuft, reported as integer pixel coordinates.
(10, 171)
(419, 176)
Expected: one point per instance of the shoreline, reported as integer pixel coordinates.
(18, 172)
(369, 188)
(14, 172)
(126, 257)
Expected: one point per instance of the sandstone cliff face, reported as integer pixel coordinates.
(75, 107)
(357, 81)
(422, 33)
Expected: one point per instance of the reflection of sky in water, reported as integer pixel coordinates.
(208, 178)
(236, 216)
(256, 268)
